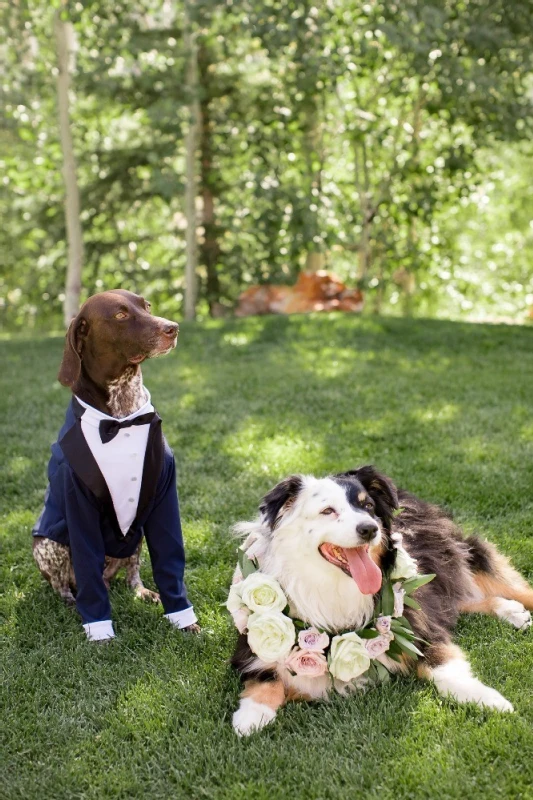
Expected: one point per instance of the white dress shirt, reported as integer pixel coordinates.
(121, 460)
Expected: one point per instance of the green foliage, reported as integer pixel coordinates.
(390, 137)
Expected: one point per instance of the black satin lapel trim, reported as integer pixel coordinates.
(153, 464)
(83, 463)
(78, 454)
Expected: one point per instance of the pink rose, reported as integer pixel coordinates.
(376, 647)
(399, 593)
(312, 639)
(240, 618)
(307, 662)
(383, 624)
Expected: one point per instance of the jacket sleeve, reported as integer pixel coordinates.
(162, 531)
(87, 549)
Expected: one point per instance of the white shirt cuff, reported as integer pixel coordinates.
(98, 631)
(182, 619)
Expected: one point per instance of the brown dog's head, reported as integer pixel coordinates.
(113, 331)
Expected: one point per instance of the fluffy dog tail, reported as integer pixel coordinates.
(494, 575)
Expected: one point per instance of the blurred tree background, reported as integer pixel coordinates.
(387, 141)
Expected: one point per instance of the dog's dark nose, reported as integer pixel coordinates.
(171, 329)
(367, 530)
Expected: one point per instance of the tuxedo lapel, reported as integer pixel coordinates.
(153, 465)
(83, 463)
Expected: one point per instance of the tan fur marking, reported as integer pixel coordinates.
(362, 497)
(269, 693)
(485, 606)
(437, 655)
(511, 585)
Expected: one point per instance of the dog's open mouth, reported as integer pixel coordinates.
(355, 562)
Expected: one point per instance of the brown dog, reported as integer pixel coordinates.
(105, 345)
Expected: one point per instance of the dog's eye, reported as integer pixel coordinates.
(327, 511)
(149, 307)
(121, 315)
(369, 506)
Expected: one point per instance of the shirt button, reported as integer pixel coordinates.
(127, 435)
(134, 479)
(131, 499)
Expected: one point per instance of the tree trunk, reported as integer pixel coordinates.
(191, 142)
(210, 248)
(64, 35)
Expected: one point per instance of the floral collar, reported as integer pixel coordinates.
(260, 609)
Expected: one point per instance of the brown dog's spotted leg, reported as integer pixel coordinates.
(53, 560)
(133, 577)
(260, 701)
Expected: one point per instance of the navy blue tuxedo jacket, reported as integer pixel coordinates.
(79, 512)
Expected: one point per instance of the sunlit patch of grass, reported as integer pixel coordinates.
(443, 408)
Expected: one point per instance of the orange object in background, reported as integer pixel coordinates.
(313, 291)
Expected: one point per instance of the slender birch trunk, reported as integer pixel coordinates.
(191, 144)
(64, 36)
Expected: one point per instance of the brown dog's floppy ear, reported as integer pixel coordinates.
(70, 368)
(380, 488)
(285, 493)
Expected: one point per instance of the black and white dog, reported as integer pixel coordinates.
(328, 541)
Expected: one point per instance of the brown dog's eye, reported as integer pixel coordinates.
(121, 315)
(327, 511)
(149, 307)
(369, 506)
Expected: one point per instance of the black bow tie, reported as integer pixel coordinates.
(110, 427)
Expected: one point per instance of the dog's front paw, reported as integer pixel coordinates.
(513, 612)
(194, 628)
(251, 716)
(490, 698)
(146, 594)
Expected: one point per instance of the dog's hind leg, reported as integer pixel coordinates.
(260, 701)
(498, 588)
(133, 577)
(448, 668)
(54, 562)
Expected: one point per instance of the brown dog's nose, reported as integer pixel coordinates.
(171, 329)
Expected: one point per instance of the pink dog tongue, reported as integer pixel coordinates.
(365, 572)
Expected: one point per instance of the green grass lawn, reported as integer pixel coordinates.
(444, 408)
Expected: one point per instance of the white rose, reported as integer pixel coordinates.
(405, 567)
(261, 593)
(271, 635)
(234, 601)
(348, 657)
(240, 618)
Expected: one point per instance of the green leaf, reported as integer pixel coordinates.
(383, 672)
(415, 583)
(247, 566)
(368, 633)
(407, 632)
(408, 601)
(387, 599)
(408, 646)
(394, 656)
(403, 621)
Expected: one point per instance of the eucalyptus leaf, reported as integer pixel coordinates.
(408, 646)
(368, 633)
(416, 583)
